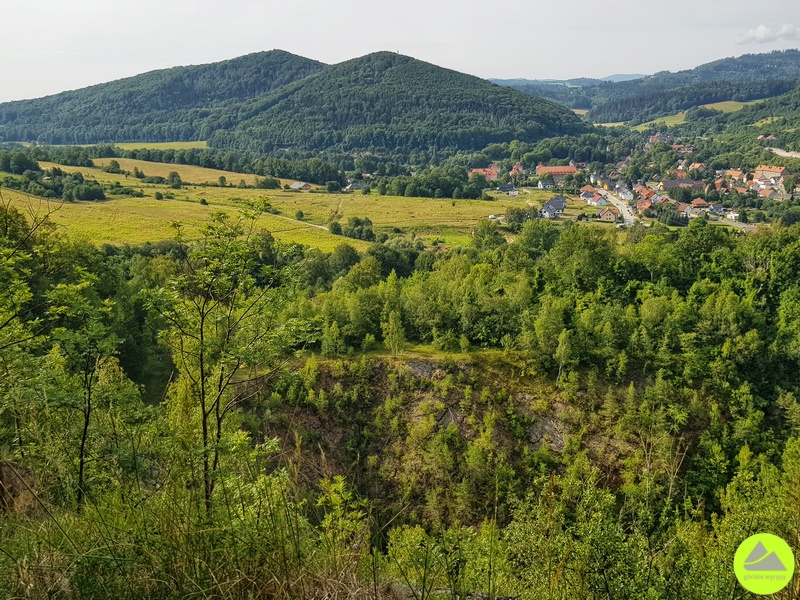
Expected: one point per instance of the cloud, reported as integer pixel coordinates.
(763, 34)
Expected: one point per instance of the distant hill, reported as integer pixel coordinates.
(276, 100)
(386, 101)
(165, 105)
(622, 77)
(747, 77)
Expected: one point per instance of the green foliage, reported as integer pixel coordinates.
(385, 101)
(165, 105)
(626, 416)
(393, 333)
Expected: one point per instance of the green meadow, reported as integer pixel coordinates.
(128, 220)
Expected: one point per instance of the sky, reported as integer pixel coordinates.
(48, 46)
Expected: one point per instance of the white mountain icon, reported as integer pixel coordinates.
(762, 560)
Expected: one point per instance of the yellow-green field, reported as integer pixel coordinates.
(161, 145)
(726, 106)
(766, 121)
(123, 219)
(188, 173)
(729, 105)
(126, 220)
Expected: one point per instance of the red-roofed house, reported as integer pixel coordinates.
(490, 174)
(557, 173)
(643, 205)
(517, 170)
(770, 172)
(699, 203)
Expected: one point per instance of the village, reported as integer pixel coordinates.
(688, 191)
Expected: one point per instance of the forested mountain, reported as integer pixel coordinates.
(166, 105)
(275, 100)
(388, 101)
(747, 77)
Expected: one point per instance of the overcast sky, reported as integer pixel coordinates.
(54, 45)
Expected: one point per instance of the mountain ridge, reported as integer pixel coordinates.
(745, 77)
(275, 100)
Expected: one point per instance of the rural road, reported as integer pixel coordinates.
(785, 153)
(621, 206)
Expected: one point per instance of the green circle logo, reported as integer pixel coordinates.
(764, 564)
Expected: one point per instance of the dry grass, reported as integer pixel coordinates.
(188, 173)
(161, 145)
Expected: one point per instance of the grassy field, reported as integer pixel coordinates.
(680, 118)
(579, 111)
(766, 121)
(123, 219)
(161, 145)
(126, 220)
(729, 105)
(188, 173)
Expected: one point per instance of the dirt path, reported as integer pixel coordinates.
(300, 222)
(785, 153)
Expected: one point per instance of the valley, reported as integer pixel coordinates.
(277, 329)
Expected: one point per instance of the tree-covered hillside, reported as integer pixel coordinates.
(275, 101)
(777, 116)
(388, 101)
(747, 77)
(590, 414)
(165, 105)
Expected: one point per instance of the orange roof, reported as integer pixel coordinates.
(540, 169)
(770, 169)
(588, 188)
(488, 173)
